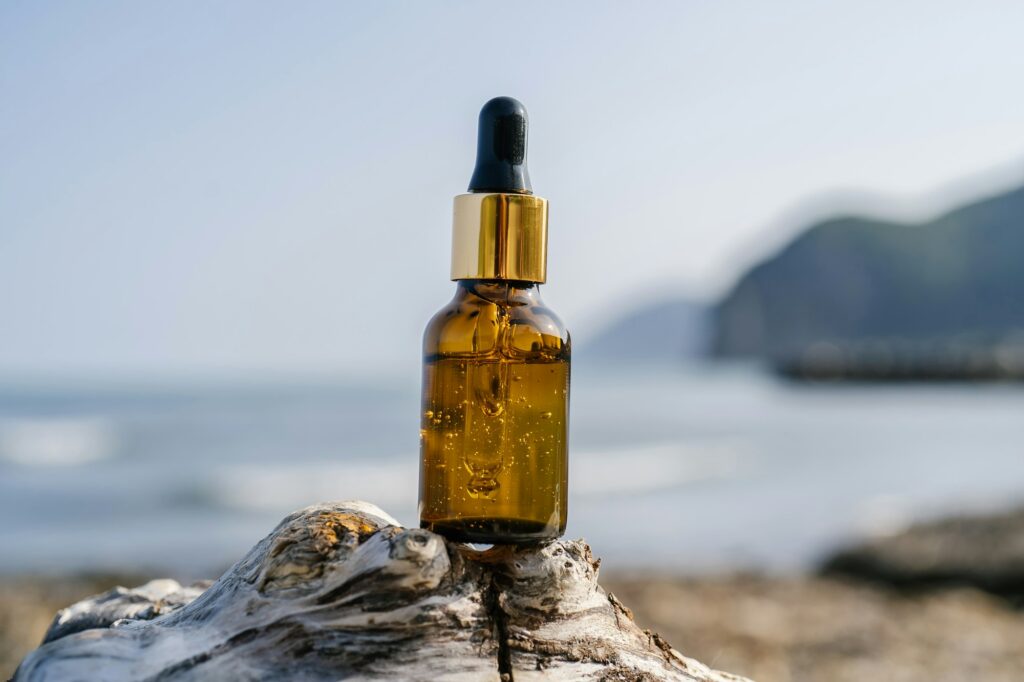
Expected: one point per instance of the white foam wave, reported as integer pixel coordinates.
(392, 483)
(61, 441)
(647, 468)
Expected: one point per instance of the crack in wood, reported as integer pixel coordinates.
(500, 620)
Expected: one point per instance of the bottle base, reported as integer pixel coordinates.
(493, 531)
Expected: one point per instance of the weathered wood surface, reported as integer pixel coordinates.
(342, 591)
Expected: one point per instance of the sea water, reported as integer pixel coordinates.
(674, 468)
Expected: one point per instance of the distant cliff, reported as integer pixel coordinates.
(861, 296)
(671, 330)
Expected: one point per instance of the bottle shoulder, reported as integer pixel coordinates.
(518, 328)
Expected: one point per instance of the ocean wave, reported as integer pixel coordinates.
(652, 467)
(388, 484)
(392, 483)
(55, 442)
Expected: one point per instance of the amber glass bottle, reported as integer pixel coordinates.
(495, 415)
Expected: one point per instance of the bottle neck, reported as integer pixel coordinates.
(501, 291)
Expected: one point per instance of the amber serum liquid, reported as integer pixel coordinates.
(495, 408)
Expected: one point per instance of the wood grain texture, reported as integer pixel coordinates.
(342, 591)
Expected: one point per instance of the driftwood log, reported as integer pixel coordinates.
(342, 591)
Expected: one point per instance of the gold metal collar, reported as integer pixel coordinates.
(500, 236)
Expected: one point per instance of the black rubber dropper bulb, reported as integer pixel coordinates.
(501, 148)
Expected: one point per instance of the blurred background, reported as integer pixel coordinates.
(787, 239)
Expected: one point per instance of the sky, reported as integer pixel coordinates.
(193, 188)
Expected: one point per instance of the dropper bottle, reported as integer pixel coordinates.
(495, 411)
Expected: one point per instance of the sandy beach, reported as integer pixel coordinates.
(805, 629)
